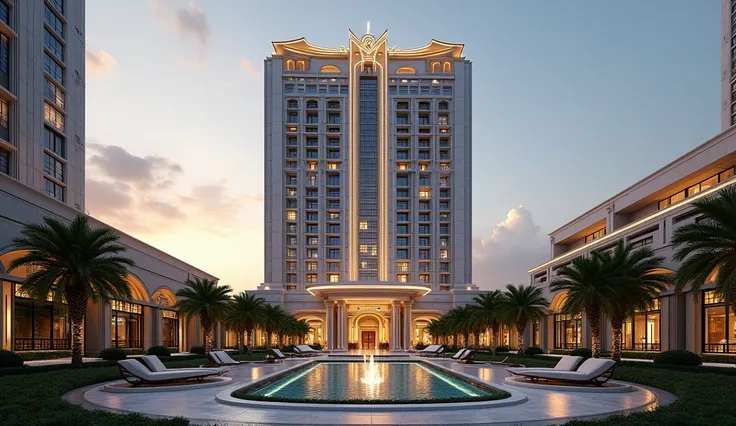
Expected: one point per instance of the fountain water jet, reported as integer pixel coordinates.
(372, 377)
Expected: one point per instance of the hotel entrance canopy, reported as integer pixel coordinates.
(365, 291)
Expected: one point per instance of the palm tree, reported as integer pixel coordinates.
(204, 298)
(708, 247)
(487, 313)
(521, 304)
(459, 322)
(273, 319)
(301, 329)
(244, 314)
(639, 279)
(73, 262)
(589, 283)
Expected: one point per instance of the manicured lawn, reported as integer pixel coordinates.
(705, 396)
(35, 399)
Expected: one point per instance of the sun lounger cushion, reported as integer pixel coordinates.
(460, 354)
(566, 363)
(430, 349)
(225, 358)
(139, 370)
(587, 371)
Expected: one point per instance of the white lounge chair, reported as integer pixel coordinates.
(459, 353)
(431, 350)
(274, 355)
(154, 364)
(222, 358)
(566, 363)
(136, 373)
(306, 350)
(593, 371)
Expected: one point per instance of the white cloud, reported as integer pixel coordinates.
(187, 22)
(249, 69)
(100, 62)
(512, 248)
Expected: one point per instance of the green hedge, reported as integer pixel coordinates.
(158, 351)
(725, 358)
(113, 354)
(41, 355)
(638, 354)
(9, 359)
(199, 350)
(678, 357)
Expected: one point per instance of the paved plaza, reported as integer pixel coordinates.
(532, 407)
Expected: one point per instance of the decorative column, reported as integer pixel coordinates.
(329, 337)
(408, 328)
(341, 323)
(395, 325)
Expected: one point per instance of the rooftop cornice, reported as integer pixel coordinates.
(435, 49)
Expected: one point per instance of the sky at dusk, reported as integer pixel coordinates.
(573, 100)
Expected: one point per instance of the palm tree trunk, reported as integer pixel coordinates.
(248, 343)
(466, 339)
(494, 338)
(476, 338)
(520, 328)
(241, 339)
(594, 319)
(77, 310)
(207, 329)
(268, 339)
(617, 322)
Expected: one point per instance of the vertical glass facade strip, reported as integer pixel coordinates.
(368, 180)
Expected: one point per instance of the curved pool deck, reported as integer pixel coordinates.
(527, 405)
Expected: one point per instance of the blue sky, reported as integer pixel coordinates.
(573, 101)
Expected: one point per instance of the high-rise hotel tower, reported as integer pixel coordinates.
(368, 154)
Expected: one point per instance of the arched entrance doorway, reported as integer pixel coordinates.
(369, 328)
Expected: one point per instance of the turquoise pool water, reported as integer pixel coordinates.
(399, 381)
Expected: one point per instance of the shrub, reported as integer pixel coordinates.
(39, 355)
(420, 346)
(638, 354)
(10, 359)
(725, 358)
(533, 350)
(113, 354)
(678, 357)
(316, 347)
(158, 351)
(583, 352)
(502, 349)
(199, 350)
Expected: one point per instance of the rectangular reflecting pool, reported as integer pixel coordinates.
(357, 381)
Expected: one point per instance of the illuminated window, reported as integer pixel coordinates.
(289, 65)
(301, 65)
(402, 266)
(447, 67)
(403, 166)
(595, 235)
(424, 193)
(364, 265)
(444, 254)
(363, 225)
(311, 278)
(330, 69)
(435, 67)
(311, 266)
(332, 166)
(406, 70)
(422, 167)
(53, 116)
(424, 278)
(698, 187)
(364, 248)
(312, 166)
(291, 215)
(333, 278)
(402, 278)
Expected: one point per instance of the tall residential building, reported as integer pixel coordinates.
(728, 63)
(42, 174)
(42, 58)
(368, 152)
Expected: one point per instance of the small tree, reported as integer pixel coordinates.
(487, 313)
(73, 262)
(521, 304)
(205, 299)
(273, 320)
(244, 314)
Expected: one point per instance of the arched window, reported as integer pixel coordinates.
(447, 67)
(289, 65)
(406, 70)
(332, 69)
(301, 65)
(435, 67)
(312, 104)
